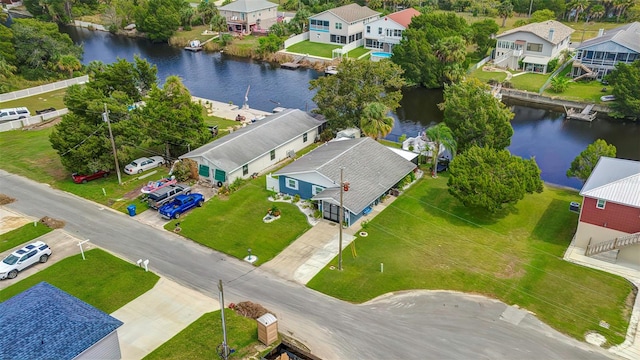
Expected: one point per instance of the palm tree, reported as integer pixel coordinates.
(579, 6)
(219, 23)
(596, 12)
(440, 135)
(374, 121)
(69, 63)
(505, 10)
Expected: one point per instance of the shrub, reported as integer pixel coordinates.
(296, 198)
(552, 65)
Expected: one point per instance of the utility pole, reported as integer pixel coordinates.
(340, 219)
(530, 7)
(224, 354)
(105, 117)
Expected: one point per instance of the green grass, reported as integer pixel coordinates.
(53, 99)
(315, 49)
(101, 280)
(235, 224)
(530, 82)
(428, 240)
(21, 235)
(357, 52)
(582, 91)
(486, 76)
(201, 339)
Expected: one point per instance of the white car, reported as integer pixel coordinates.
(607, 98)
(137, 166)
(21, 259)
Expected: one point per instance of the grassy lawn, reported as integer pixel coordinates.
(235, 223)
(37, 102)
(428, 240)
(21, 235)
(357, 52)
(316, 49)
(102, 280)
(194, 34)
(29, 153)
(585, 90)
(530, 82)
(486, 76)
(201, 339)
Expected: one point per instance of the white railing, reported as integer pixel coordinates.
(43, 88)
(504, 57)
(18, 124)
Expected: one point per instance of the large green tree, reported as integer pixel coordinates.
(159, 19)
(583, 164)
(440, 135)
(341, 98)
(483, 32)
(169, 118)
(375, 122)
(475, 116)
(505, 10)
(432, 51)
(135, 79)
(488, 179)
(625, 79)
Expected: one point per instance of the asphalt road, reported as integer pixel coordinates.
(411, 325)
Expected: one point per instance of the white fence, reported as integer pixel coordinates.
(296, 39)
(273, 184)
(43, 88)
(478, 65)
(18, 124)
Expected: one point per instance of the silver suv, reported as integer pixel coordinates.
(162, 196)
(23, 258)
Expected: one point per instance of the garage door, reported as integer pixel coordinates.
(330, 211)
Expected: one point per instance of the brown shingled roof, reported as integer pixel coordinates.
(541, 29)
(353, 12)
(403, 17)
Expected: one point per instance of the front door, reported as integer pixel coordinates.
(330, 212)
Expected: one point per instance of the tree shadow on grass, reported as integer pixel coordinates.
(556, 225)
(438, 202)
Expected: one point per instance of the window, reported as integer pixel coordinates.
(272, 154)
(379, 31)
(292, 184)
(601, 203)
(368, 29)
(304, 137)
(315, 189)
(320, 25)
(534, 47)
(338, 39)
(245, 169)
(339, 26)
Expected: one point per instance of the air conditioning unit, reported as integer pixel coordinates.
(291, 153)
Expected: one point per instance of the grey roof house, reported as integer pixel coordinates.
(342, 25)
(370, 168)
(256, 147)
(596, 57)
(248, 15)
(44, 322)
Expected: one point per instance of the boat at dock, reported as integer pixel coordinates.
(331, 70)
(194, 46)
(587, 114)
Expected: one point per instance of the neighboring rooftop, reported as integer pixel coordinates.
(627, 35)
(403, 17)
(44, 322)
(370, 167)
(351, 13)
(542, 30)
(615, 180)
(242, 146)
(247, 6)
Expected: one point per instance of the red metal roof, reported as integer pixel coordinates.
(403, 17)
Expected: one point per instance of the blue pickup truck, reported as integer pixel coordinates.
(180, 204)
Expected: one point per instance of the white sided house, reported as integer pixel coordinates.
(255, 147)
(385, 33)
(534, 44)
(342, 25)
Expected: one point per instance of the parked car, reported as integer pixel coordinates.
(607, 98)
(23, 258)
(44, 111)
(83, 179)
(160, 197)
(181, 204)
(14, 113)
(137, 166)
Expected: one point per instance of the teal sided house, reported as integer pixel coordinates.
(371, 169)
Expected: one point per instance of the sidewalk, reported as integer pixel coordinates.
(630, 348)
(158, 315)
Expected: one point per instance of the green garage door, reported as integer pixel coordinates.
(203, 170)
(220, 175)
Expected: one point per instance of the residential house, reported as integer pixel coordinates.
(610, 211)
(386, 32)
(533, 44)
(44, 322)
(342, 25)
(370, 169)
(596, 57)
(255, 147)
(246, 16)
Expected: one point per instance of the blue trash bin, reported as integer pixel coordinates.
(132, 210)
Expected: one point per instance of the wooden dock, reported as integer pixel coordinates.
(290, 65)
(587, 114)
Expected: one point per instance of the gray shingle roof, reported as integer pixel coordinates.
(242, 146)
(615, 180)
(44, 322)
(247, 6)
(541, 29)
(370, 168)
(627, 36)
(352, 12)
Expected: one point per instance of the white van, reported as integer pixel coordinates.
(14, 114)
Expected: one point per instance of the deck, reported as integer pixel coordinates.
(586, 114)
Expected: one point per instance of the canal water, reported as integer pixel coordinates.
(542, 134)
